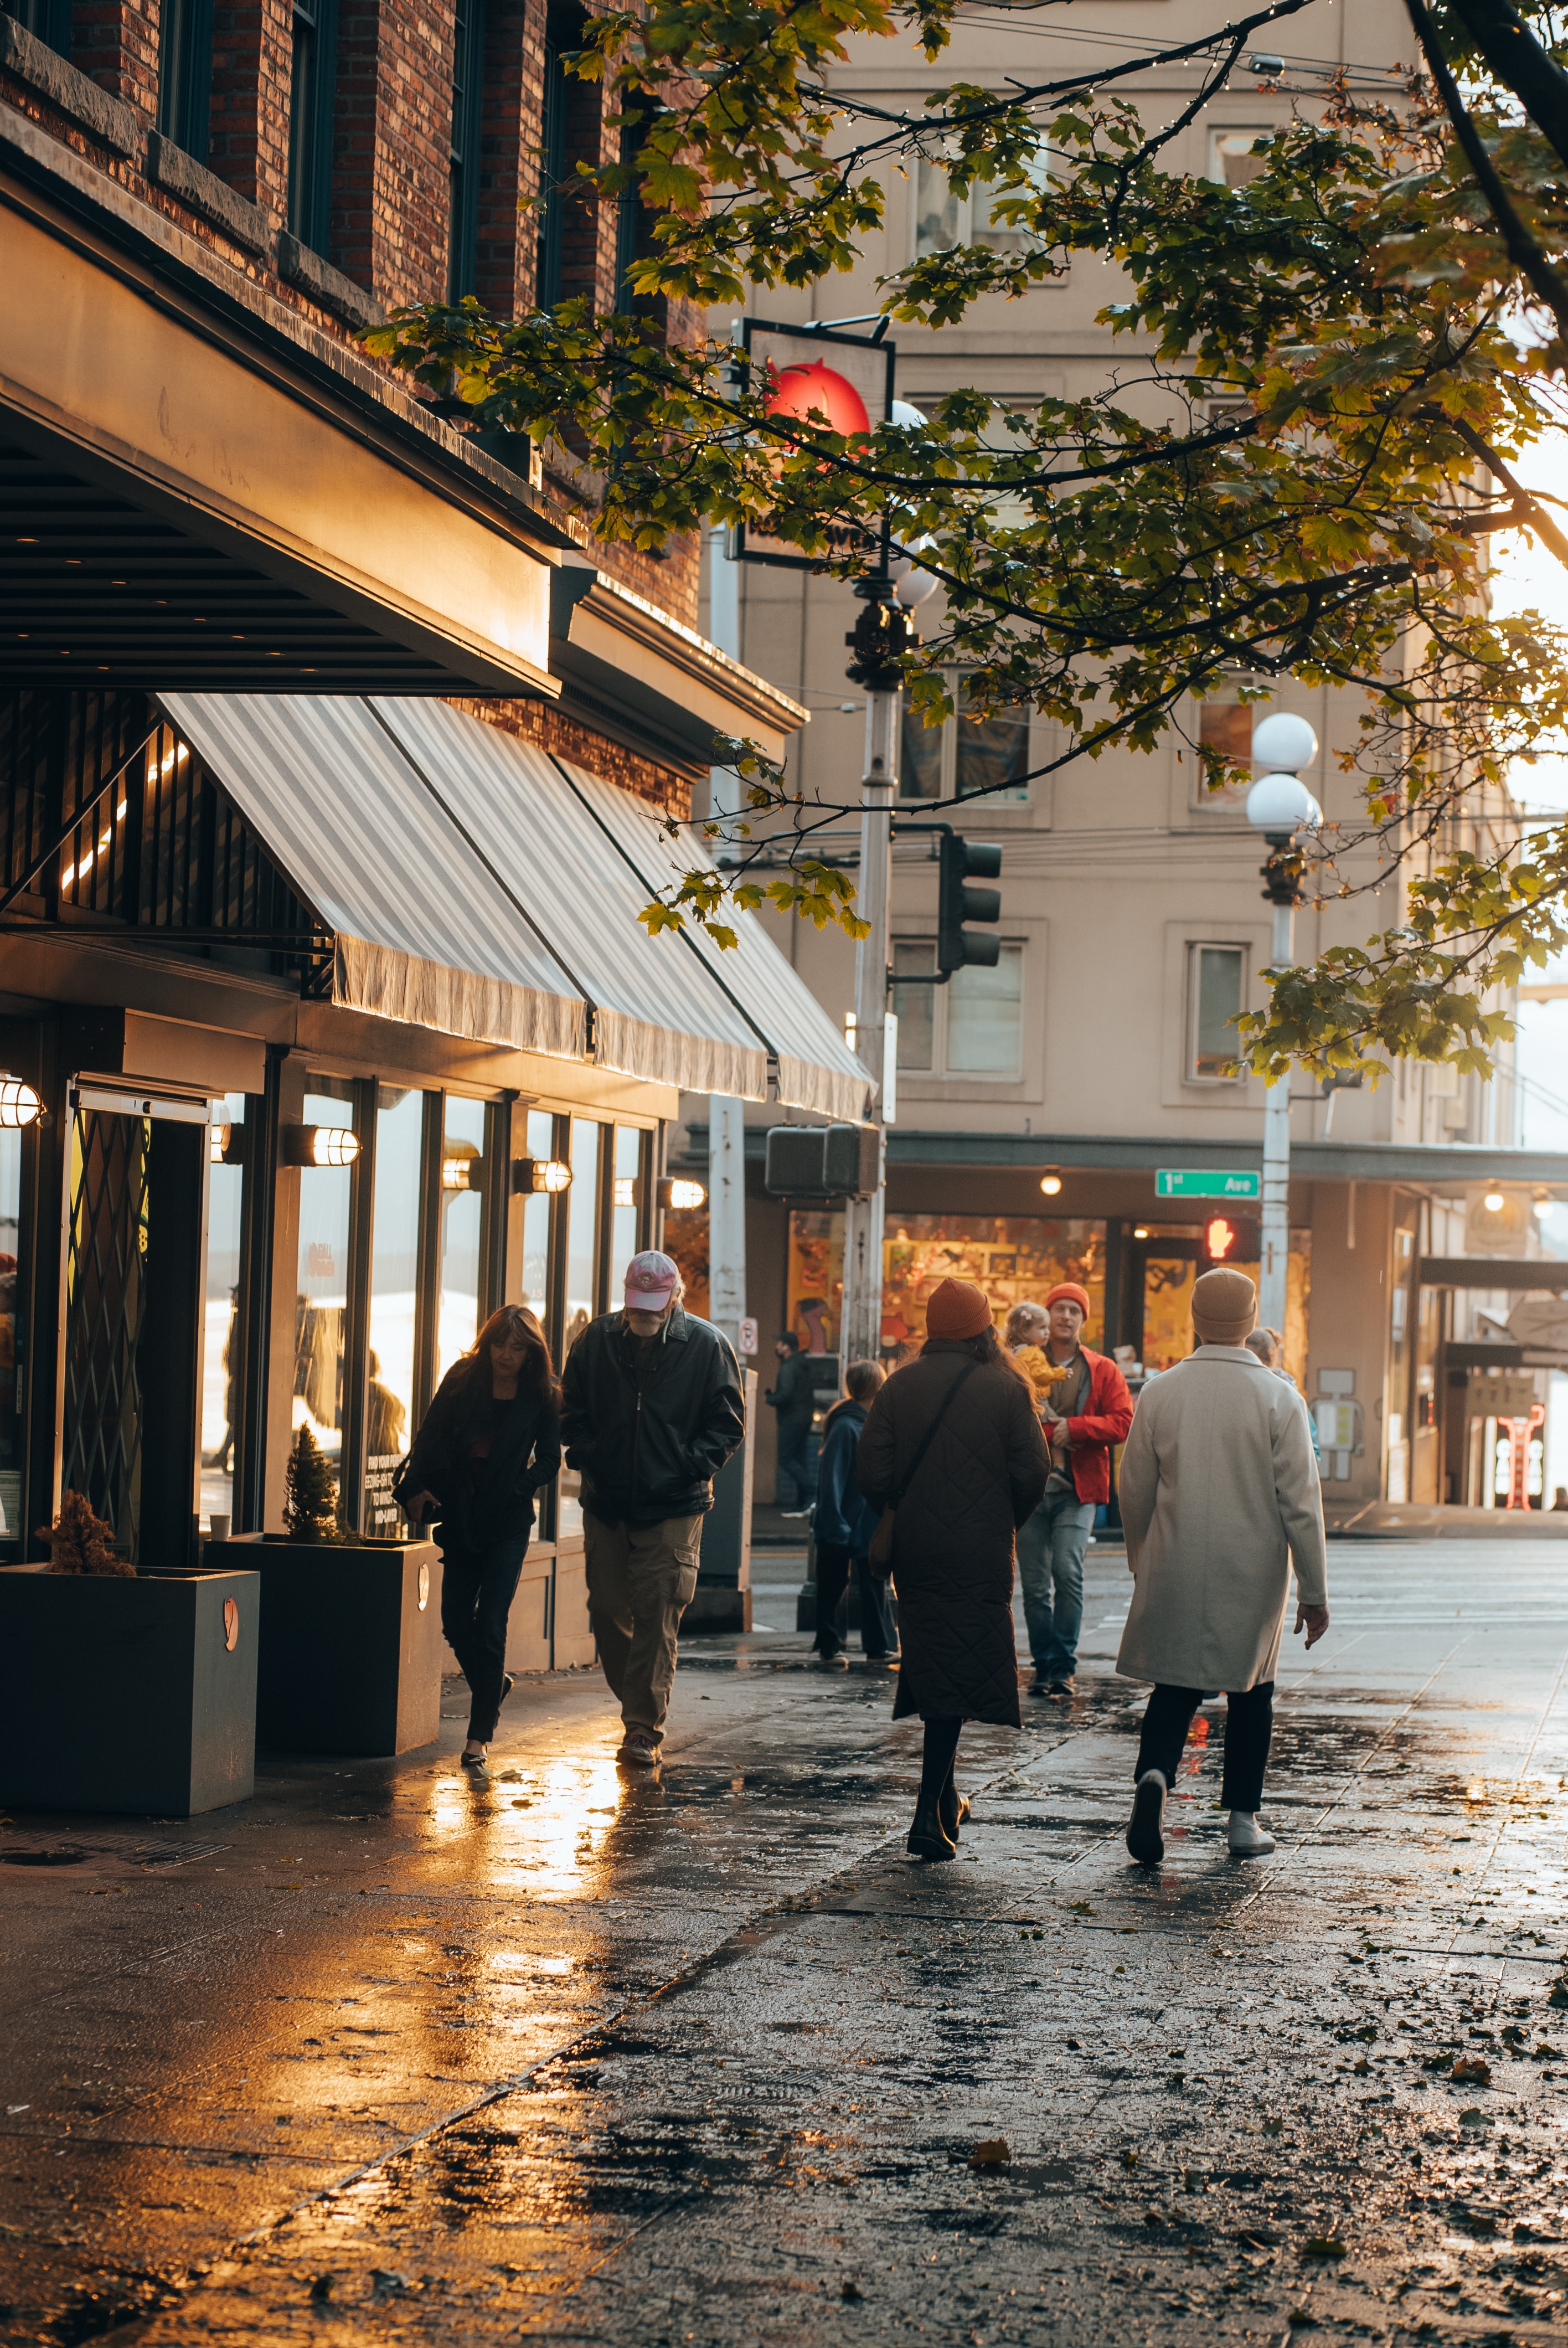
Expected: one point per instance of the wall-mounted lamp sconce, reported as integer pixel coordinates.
(532, 1175)
(675, 1192)
(1050, 1183)
(231, 1145)
(320, 1145)
(625, 1190)
(19, 1104)
(463, 1173)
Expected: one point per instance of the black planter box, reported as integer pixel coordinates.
(130, 1693)
(351, 1644)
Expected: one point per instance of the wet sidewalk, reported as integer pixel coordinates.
(382, 2055)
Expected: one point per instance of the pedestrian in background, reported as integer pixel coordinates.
(953, 1448)
(1269, 1347)
(651, 1409)
(1220, 1497)
(842, 1524)
(794, 1399)
(489, 1441)
(1086, 1411)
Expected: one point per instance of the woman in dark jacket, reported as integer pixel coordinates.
(489, 1441)
(982, 1474)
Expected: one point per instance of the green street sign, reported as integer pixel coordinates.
(1204, 1182)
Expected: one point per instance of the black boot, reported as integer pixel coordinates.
(927, 1836)
(952, 1809)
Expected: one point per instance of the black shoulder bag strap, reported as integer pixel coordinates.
(880, 1555)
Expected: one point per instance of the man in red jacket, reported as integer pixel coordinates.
(1089, 1411)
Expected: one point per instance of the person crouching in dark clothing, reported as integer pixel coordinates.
(844, 1525)
(488, 1442)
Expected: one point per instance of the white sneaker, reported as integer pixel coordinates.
(839, 1663)
(1247, 1839)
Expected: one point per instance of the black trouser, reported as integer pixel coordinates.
(1249, 1724)
(794, 1434)
(477, 1587)
(833, 1572)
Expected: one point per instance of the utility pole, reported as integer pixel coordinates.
(863, 1293)
(1279, 805)
(726, 1116)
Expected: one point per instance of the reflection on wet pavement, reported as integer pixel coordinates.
(579, 2058)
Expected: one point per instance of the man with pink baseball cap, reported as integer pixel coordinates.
(652, 1408)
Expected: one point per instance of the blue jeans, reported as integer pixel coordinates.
(1050, 1546)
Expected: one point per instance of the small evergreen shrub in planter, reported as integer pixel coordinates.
(350, 1645)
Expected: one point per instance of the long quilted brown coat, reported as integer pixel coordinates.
(953, 1543)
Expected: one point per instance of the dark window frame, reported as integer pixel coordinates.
(312, 121)
(185, 76)
(467, 132)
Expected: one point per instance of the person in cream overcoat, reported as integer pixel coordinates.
(1220, 1497)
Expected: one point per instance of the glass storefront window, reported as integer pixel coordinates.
(462, 1210)
(581, 1300)
(10, 1528)
(393, 1281)
(624, 1213)
(535, 1287)
(322, 1283)
(220, 1332)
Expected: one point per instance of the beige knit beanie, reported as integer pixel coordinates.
(1224, 1306)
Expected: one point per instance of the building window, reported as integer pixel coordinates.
(47, 20)
(1234, 156)
(310, 108)
(467, 113)
(185, 75)
(944, 218)
(971, 752)
(973, 1027)
(1216, 994)
(563, 30)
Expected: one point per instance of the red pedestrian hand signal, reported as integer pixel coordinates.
(1219, 1239)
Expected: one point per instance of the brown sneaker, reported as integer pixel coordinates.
(637, 1750)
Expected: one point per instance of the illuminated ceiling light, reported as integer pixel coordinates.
(1140, 1230)
(19, 1104)
(1494, 1202)
(1050, 1183)
(1543, 1207)
(320, 1145)
(532, 1175)
(626, 1190)
(680, 1194)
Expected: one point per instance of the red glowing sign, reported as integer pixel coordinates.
(816, 392)
(1219, 1239)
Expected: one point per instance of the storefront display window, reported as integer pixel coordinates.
(220, 1332)
(391, 1381)
(623, 1214)
(321, 1309)
(535, 1289)
(1012, 1257)
(462, 1215)
(582, 1299)
(10, 1528)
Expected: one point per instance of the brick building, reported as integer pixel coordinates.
(328, 742)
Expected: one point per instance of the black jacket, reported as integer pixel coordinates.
(795, 1396)
(525, 1457)
(647, 1455)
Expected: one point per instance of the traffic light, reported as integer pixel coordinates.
(957, 902)
(823, 1161)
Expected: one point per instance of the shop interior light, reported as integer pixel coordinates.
(320, 1145)
(1140, 1230)
(19, 1104)
(625, 1190)
(675, 1192)
(1543, 1207)
(1050, 1183)
(535, 1174)
(1494, 1202)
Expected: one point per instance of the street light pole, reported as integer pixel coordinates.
(863, 1218)
(1279, 805)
